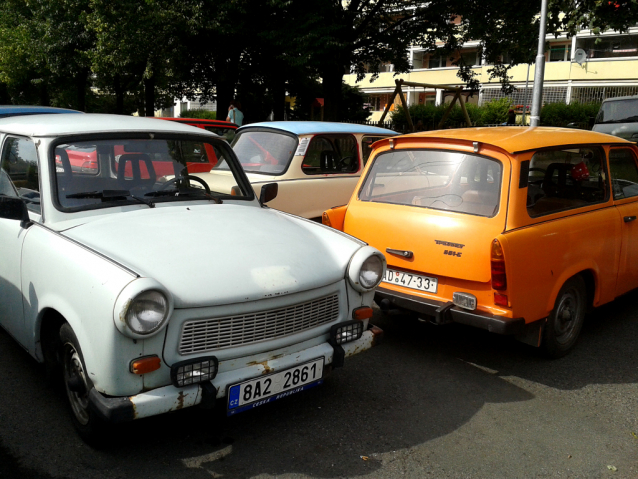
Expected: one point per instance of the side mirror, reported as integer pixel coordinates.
(13, 208)
(268, 193)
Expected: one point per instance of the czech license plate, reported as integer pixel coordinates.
(269, 388)
(410, 280)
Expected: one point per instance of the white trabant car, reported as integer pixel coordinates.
(151, 290)
(316, 164)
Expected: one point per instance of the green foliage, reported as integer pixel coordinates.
(199, 113)
(561, 114)
(495, 112)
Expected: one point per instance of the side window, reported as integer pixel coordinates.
(330, 154)
(366, 146)
(564, 179)
(20, 165)
(624, 173)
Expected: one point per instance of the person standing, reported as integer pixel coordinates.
(234, 114)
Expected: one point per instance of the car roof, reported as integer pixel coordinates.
(17, 110)
(515, 139)
(203, 121)
(44, 125)
(309, 127)
(620, 98)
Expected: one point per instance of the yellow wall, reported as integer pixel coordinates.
(600, 70)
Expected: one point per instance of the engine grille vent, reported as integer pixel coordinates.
(203, 335)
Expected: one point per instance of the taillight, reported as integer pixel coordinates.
(325, 219)
(499, 280)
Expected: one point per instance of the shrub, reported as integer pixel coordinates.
(495, 111)
(199, 113)
(561, 114)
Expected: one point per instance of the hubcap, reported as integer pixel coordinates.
(568, 312)
(75, 384)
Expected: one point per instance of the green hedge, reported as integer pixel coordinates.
(199, 113)
(494, 113)
(560, 114)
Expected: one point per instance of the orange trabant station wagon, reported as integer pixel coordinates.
(515, 230)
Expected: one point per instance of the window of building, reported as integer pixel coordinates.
(471, 58)
(560, 53)
(609, 47)
(419, 59)
(436, 61)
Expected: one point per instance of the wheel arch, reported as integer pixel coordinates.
(589, 275)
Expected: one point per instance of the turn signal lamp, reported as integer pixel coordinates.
(501, 299)
(497, 261)
(325, 219)
(362, 313)
(145, 365)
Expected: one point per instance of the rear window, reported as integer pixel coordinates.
(440, 180)
(264, 151)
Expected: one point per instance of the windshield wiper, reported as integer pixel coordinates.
(184, 194)
(107, 195)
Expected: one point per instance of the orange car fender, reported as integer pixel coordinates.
(583, 266)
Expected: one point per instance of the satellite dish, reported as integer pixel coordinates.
(580, 56)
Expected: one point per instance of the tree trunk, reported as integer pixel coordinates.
(119, 95)
(332, 76)
(149, 96)
(227, 68)
(81, 80)
(45, 99)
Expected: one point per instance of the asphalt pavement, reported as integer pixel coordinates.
(440, 402)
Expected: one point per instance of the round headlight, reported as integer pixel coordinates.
(147, 312)
(371, 271)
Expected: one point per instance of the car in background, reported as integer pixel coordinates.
(515, 230)
(23, 110)
(225, 129)
(619, 117)
(316, 164)
(99, 278)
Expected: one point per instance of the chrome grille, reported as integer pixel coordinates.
(203, 335)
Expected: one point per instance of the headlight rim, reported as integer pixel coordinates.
(356, 264)
(160, 324)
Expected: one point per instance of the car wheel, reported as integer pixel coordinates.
(566, 319)
(77, 386)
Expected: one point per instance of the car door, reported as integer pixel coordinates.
(623, 168)
(19, 177)
(329, 172)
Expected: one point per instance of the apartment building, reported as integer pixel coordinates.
(576, 69)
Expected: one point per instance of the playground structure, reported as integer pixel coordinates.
(398, 91)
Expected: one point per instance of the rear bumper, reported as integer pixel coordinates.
(171, 398)
(447, 312)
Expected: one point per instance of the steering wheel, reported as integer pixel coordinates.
(182, 178)
(347, 162)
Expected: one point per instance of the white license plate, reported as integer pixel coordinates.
(410, 280)
(269, 388)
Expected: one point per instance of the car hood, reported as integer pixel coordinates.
(209, 255)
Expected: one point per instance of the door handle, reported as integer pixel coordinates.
(628, 219)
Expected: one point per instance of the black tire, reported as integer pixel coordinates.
(566, 319)
(77, 386)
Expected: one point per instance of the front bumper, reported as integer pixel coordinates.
(171, 398)
(443, 313)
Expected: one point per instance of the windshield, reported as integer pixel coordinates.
(440, 180)
(619, 111)
(102, 173)
(264, 151)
